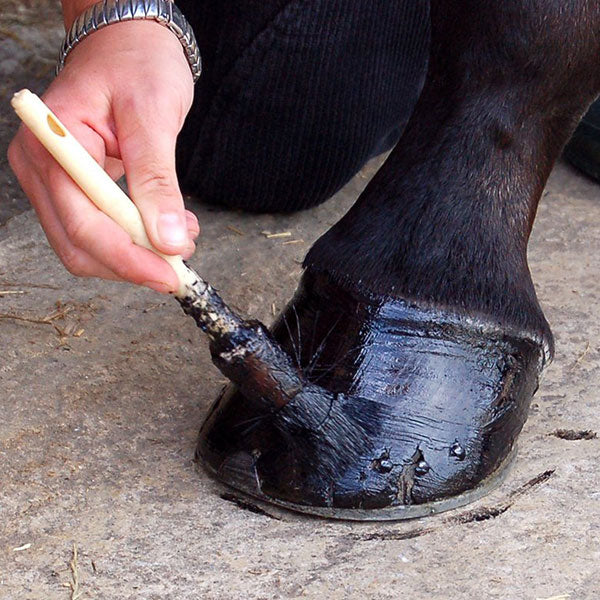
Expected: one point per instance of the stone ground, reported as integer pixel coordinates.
(103, 388)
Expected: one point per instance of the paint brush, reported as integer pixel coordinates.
(243, 350)
(326, 432)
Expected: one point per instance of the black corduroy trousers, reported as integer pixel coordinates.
(295, 96)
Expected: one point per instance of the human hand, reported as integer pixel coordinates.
(123, 94)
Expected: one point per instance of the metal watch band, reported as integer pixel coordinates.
(108, 12)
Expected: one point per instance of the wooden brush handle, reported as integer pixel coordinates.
(91, 177)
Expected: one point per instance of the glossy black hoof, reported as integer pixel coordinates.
(408, 412)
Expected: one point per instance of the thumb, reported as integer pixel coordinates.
(148, 155)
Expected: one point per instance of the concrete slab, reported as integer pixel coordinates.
(103, 388)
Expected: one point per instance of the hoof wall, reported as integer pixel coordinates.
(407, 413)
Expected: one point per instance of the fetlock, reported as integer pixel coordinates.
(446, 221)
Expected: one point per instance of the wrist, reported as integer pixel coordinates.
(107, 13)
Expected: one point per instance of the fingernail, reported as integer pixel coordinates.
(189, 250)
(158, 286)
(172, 229)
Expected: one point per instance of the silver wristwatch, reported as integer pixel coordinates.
(108, 12)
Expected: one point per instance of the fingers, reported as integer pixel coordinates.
(88, 228)
(148, 154)
(192, 224)
(114, 167)
(128, 117)
(76, 260)
(88, 242)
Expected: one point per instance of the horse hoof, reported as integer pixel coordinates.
(408, 411)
